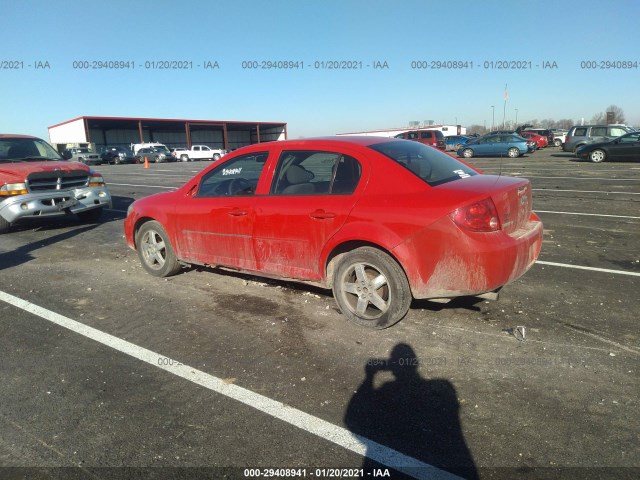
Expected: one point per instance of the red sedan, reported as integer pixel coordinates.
(540, 140)
(378, 220)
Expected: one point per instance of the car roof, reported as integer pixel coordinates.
(337, 141)
(11, 135)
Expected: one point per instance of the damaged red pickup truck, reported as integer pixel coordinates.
(35, 182)
(378, 220)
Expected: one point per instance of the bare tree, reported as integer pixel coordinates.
(598, 118)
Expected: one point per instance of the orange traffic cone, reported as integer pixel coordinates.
(146, 162)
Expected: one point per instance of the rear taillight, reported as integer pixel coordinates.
(481, 216)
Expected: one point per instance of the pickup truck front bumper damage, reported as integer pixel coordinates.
(54, 203)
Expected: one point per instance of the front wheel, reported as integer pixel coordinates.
(513, 152)
(597, 156)
(467, 153)
(4, 226)
(155, 250)
(371, 288)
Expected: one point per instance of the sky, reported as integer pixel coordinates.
(400, 36)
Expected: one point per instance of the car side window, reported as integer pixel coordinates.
(599, 131)
(616, 131)
(236, 177)
(580, 132)
(305, 172)
(630, 138)
(425, 135)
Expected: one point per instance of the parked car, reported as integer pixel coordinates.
(559, 136)
(117, 155)
(354, 214)
(454, 142)
(81, 154)
(495, 145)
(580, 135)
(624, 148)
(435, 138)
(36, 182)
(539, 140)
(544, 132)
(153, 155)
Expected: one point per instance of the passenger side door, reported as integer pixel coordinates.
(311, 196)
(215, 222)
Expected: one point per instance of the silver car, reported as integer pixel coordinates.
(580, 135)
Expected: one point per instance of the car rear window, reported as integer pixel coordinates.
(431, 165)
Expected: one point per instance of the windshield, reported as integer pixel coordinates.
(18, 149)
(431, 165)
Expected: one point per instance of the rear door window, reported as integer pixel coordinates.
(312, 172)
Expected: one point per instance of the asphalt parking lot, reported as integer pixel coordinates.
(216, 373)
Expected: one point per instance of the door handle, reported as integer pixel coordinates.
(236, 212)
(322, 215)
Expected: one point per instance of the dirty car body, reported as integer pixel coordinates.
(36, 182)
(380, 221)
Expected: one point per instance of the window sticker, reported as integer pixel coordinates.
(231, 171)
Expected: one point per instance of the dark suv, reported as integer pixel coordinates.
(434, 138)
(117, 155)
(580, 135)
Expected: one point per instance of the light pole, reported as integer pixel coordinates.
(516, 125)
(493, 116)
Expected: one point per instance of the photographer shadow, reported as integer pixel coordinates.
(414, 416)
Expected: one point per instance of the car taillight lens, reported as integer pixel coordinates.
(481, 216)
(10, 189)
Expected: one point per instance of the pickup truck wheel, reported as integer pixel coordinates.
(155, 250)
(90, 215)
(4, 226)
(184, 158)
(371, 288)
(216, 157)
(557, 142)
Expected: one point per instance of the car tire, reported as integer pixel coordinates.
(467, 153)
(371, 289)
(216, 157)
(184, 158)
(513, 152)
(90, 216)
(598, 156)
(4, 226)
(116, 161)
(557, 142)
(155, 250)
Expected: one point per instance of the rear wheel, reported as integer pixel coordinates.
(371, 288)
(467, 153)
(597, 156)
(155, 250)
(184, 158)
(216, 157)
(557, 142)
(513, 152)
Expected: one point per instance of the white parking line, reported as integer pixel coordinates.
(337, 435)
(583, 191)
(611, 179)
(587, 214)
(593, 269)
